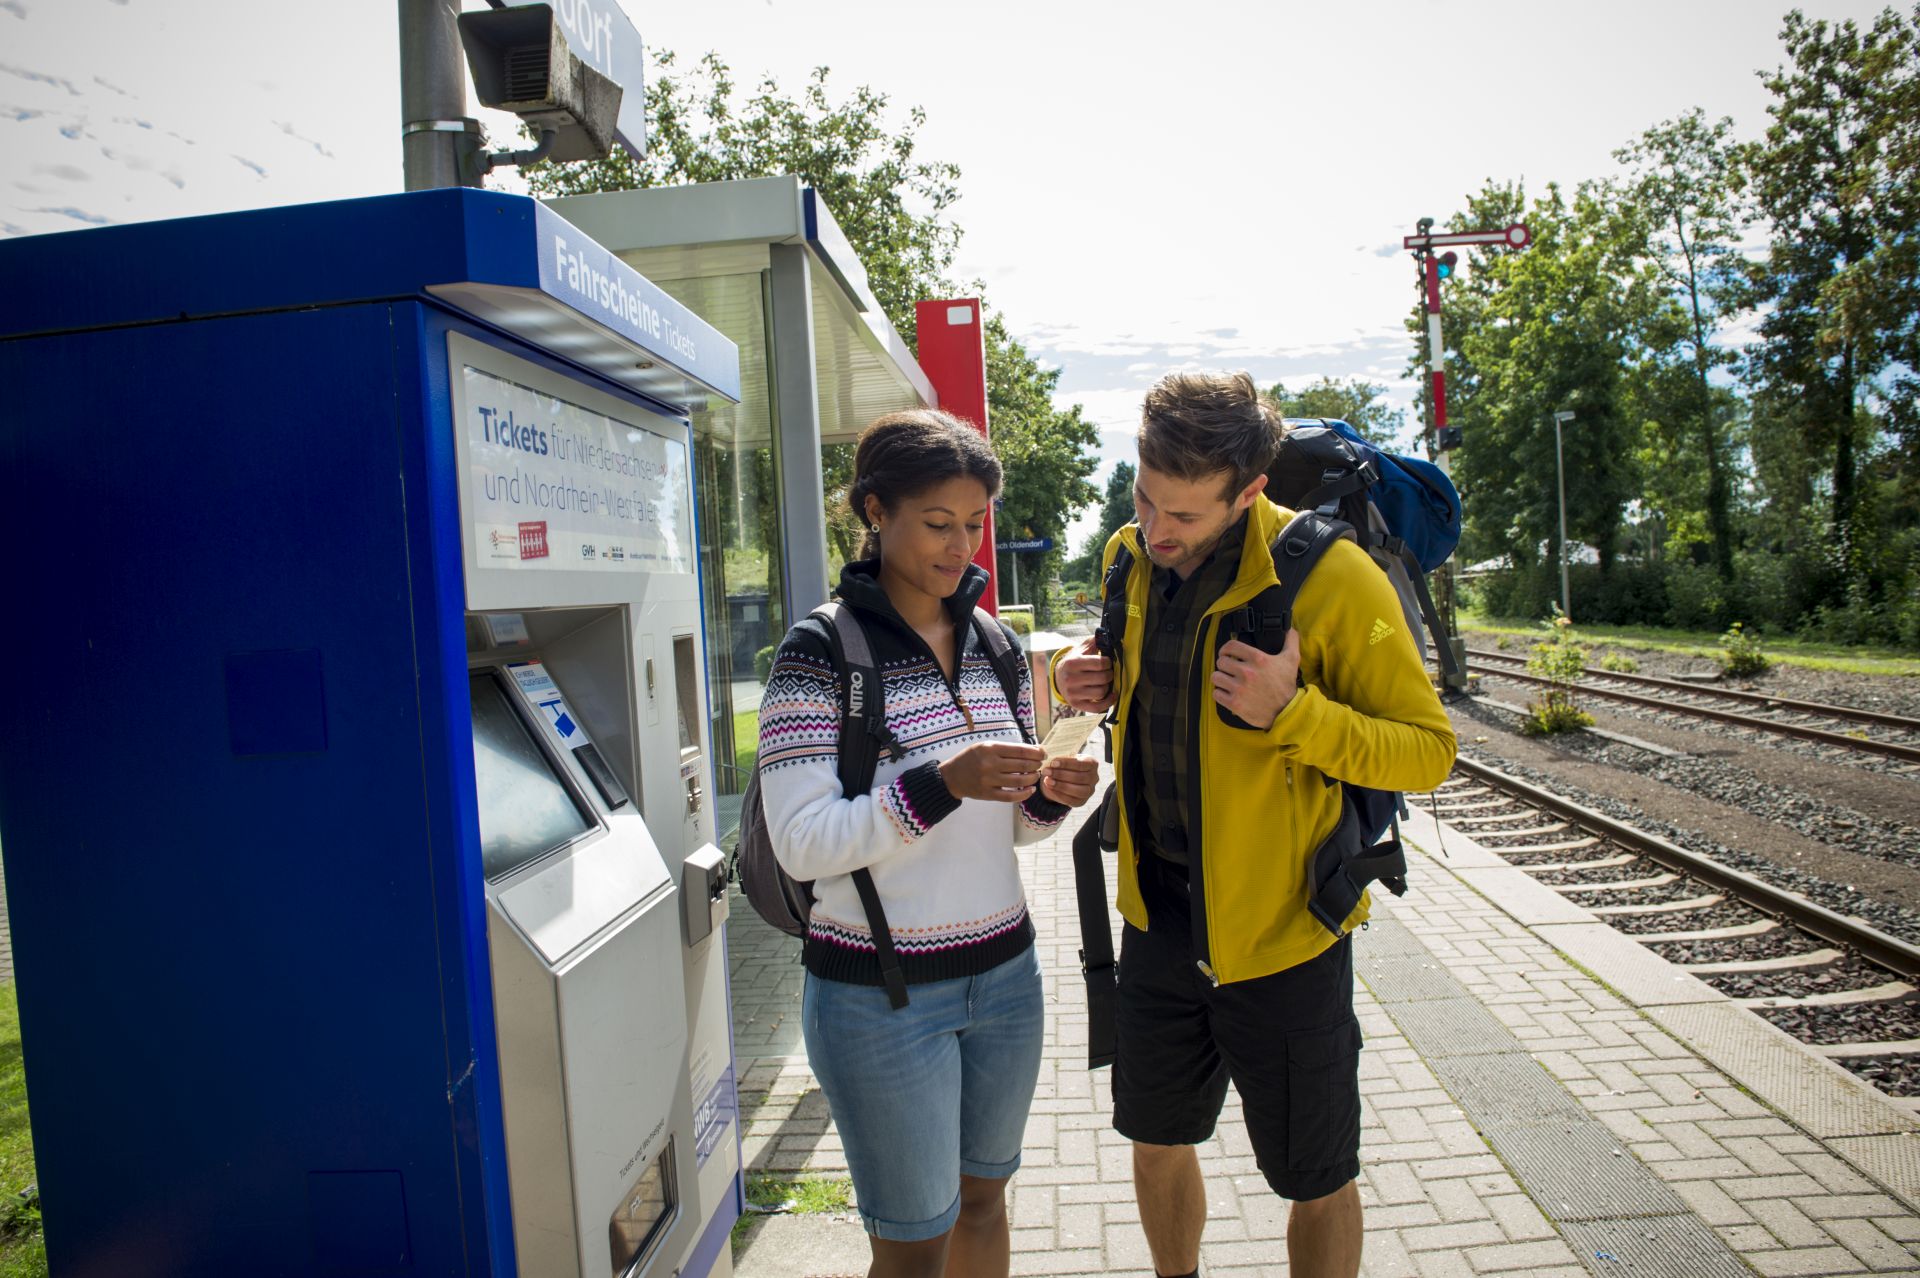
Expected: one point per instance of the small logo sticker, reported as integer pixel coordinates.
(533, 539)
(1380, 631)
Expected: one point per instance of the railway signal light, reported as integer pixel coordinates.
(1445, 264)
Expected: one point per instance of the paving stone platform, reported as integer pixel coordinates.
(1542, 1097)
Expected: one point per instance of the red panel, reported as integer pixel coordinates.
(953, 354)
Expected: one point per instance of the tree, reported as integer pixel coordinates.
(1116, 512)
(1354, 401)
(1686, 178)
(1822, 181)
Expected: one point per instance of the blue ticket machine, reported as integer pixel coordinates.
(365, 908)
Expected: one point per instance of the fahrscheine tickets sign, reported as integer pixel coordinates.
(553, 485)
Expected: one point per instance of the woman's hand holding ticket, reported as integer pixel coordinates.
(998, 770)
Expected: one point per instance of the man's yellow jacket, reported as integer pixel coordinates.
(1367, 714)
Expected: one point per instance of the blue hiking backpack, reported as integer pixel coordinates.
(1405, 513)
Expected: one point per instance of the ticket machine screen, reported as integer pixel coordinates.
(525, 810)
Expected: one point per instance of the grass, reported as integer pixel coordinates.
(795, 1195)
(746, 743)
(23, 1252)
(1809, 654)
(802, 1196)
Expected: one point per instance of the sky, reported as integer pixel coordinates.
(1145, 187)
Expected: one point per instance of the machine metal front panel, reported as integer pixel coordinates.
(613, 1028)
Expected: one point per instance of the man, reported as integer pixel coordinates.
(1224, 974)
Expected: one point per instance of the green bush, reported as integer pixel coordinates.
(1740, 652)
(1020, 618)
(1801, 590)
(1696, 597)
(1520, 592)
(763, 662)
(1629, 594)
(1561, 660)
(1619, 663)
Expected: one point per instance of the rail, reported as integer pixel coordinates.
(1837, 929)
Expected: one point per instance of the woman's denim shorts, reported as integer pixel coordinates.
(935, 1090)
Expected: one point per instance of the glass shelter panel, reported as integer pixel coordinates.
(741, 541)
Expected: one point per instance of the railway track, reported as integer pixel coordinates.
(1899, 737)
(1839, 984)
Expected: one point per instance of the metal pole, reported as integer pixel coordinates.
(793, 379)
(437, 140)
(1013, 559)
(1560, 468)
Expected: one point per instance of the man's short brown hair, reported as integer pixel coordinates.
(1198, 424)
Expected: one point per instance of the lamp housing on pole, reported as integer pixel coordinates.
(523, 62)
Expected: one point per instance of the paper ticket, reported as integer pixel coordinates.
(1069, 736)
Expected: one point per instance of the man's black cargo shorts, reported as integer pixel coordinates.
(1288, 1041)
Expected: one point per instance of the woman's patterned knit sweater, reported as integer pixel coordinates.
(944, 867)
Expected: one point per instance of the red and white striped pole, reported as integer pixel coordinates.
(1436, 358)
(1424, 244)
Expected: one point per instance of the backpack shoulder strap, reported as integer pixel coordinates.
(1299, 547)
(1113, 603)
(1265, 619)
(1006, 658)
(863, 735)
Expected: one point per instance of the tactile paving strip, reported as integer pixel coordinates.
(1510, 1084)
(1577, 1170)
(1442, 1027)
(1406, 979)
(1601, 1197)
(1678, 1245)
(1384, 937)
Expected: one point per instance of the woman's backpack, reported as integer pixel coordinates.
(776, 896)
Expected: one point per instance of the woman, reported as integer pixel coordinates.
(930, 1100)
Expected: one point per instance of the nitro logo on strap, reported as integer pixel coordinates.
(856, 694)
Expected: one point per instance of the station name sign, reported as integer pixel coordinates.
(601, 35)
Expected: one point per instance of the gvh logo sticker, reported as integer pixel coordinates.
(533, 539)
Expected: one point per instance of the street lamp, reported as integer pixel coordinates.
(1560, 466)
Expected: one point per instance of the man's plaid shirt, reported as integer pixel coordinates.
(1161, 702)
